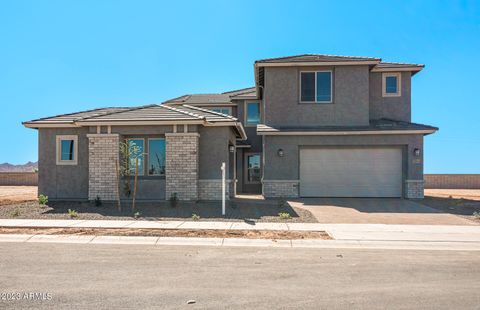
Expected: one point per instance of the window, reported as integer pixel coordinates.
(223, 110)
(156, 156)
(67, 150)
(391, 84)
(316, 86)
(252, 113)
(253, 168)
(135, 151)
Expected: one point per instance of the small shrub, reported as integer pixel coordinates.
(195, 217)
(284, 215)
(137, 214)
(173, 200)
(98, 201)
(16, 213)
(72, 213)
(476, 214)
(42, 199)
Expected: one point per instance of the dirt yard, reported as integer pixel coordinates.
(267, 211)
(16, 194)
(199, 233)
(461, 202)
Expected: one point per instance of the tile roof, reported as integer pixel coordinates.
(375, 125)
(71, 117)
(151, 114)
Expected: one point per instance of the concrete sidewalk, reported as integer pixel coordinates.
(344, 235)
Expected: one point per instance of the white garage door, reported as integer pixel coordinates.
(351, 172)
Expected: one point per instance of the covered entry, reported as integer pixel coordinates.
(351, 172)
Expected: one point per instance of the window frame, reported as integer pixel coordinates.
(398, 75)
(222, 108)
(144, 166)
(59, 139)
(148, 157)
(245, 112)
(315, 101)
(246, 167)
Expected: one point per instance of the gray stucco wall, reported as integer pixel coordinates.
(397, 108)
(350, 98)
(214, 143)
(71, 182)
(62, 181)
(287, 167)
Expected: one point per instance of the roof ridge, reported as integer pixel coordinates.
(326, 55)
(210, 111)
(116, 112)
(181, 111)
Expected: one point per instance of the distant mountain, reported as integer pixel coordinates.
(30, 166)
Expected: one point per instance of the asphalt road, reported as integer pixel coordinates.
(147, 277)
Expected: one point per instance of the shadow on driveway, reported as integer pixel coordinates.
(378, 211)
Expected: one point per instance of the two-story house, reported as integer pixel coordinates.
(312, 126)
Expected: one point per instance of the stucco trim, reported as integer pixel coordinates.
(396, 69)
(58, 150)
(89, 135)
(49, 125)
(137, 123)
(343, 133)
(168, 134)
(398, 75)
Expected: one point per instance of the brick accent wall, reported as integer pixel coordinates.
(103, 152)
(414, 189)
(458, 181)
(212, 189)
(181, 166)
(280, 188)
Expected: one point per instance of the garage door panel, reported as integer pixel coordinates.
(351, 172)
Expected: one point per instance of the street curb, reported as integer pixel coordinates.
(241, 242)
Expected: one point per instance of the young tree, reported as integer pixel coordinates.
(130, 155)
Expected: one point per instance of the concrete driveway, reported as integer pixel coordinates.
(376, 211)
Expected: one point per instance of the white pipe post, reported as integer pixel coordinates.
(223, 189)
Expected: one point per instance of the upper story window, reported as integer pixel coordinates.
(316, 86)
(67, 150)
(391, 85)
(223, 110)
(252, 113)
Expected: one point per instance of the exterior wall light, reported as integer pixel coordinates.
(280, 152)
(416, 152)
(231, 148)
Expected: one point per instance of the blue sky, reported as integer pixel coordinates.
(65, 56)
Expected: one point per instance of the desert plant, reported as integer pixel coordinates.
(72, 213)
(476, 215)
(284, 215)
(98, 201)
(15, 213)
(195, 217)
(173, 200)
(42, 199)
(137, 214)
